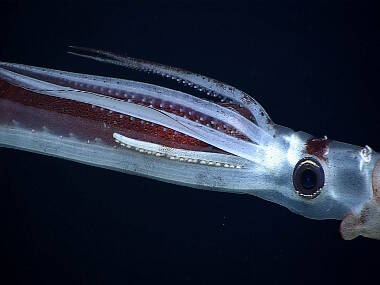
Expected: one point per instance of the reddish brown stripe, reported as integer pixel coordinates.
(62, 115)
(143, 100)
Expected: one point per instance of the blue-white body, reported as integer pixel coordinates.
(261, 166)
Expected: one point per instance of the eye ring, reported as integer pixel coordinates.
(308, 178)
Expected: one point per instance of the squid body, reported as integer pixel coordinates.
(219, 138)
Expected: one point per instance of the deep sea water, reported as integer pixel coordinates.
(314, 66)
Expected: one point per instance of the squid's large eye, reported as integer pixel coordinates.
(308, 178)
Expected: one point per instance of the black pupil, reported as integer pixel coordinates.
(308, 179)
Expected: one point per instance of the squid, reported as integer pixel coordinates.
(218, 138)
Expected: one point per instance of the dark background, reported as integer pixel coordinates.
(313, 65)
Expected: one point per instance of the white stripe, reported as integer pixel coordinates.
(201, 157)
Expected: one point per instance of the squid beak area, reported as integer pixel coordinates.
(367, 222)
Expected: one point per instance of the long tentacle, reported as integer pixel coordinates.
(202, 83)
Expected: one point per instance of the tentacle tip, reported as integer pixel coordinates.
(76, 47)
(74, 53)
(84, 49)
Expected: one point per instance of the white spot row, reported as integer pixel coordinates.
(179, 158)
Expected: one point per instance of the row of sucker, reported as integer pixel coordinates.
(138, 65)
(217, 98)
(180, 158)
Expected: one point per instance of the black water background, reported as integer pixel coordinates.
(314, 66)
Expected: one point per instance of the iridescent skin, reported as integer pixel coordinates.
(229, 144)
